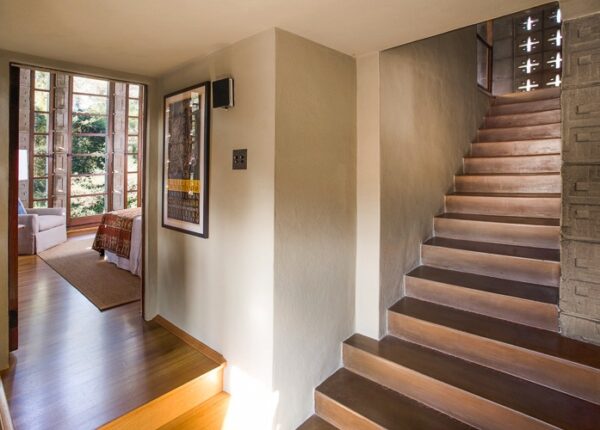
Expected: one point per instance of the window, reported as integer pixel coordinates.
(41, 166)
(132, 155)
(88, 190)
(71, 146)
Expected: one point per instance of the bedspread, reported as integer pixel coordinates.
(114, 233)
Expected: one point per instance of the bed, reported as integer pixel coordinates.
(119, 239)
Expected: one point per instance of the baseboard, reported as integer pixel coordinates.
(78, 231)
(5, 419)
(190, 340)
(171, 405)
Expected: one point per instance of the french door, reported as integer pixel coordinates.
(83, 143)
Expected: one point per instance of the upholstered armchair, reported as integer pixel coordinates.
(44, 228)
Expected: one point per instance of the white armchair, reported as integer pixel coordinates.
(44, 228)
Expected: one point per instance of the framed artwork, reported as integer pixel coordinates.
(185, 160)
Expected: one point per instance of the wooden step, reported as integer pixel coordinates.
(524, 303)
(505, 204)
(316, 423)
(524, 97)
(474, 394)
(540, 356)
(517, 263)
(513, 164)
(508, 183)
(525, 107)
(545, 131)
(522, 119)
(536, 232)
(210, 415)
(516, 147)
(349, 401)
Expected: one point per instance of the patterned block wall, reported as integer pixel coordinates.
(580, 226)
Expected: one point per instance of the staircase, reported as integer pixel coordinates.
(475, 342)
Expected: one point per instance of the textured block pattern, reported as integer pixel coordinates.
(580, 228)
(60, 139)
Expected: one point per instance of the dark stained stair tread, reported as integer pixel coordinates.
(487, 157)
(515, 195)
(511, 174)
(316, 423)
(546, 254)
(523, 290)
(383, 406)
(503, 219)
(541, 341)
(545, 404)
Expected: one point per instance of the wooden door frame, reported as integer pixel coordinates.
(13, 188)
(13, 218)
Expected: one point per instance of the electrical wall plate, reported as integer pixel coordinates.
(240, 159)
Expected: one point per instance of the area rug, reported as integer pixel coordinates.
(101, 282)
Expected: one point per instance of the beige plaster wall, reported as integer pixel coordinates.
(367, 195)
(315, 214)
(430, 110)
(220, 289)
(6, 58)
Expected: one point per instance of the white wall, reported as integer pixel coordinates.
(315, 224)
(220, 289)
(367, 195)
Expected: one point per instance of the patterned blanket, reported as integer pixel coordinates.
(114, 233)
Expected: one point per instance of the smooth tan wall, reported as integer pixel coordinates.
(367, 195)
(315, 219)
(430, 110)
(6, 58)
(220, 289)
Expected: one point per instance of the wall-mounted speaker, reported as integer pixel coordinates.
(222, 93)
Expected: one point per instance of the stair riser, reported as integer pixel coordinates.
(545, 94)
(525, 164)
(522, 119)
(565, 376)
(527, 107)
(517, 147)
(340, 416)
(462, 405)
(508, 184)
(540, 236)
(495, 265)
(504, 206)
(519, 133)
(521, 311)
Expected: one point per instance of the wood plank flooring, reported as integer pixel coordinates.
(78, 368)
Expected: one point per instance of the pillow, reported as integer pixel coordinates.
(20, 208)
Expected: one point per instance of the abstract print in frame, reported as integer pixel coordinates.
(185, 160)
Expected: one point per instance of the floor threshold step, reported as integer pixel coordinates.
(357, 402)
(478, 382)
(534, 339)
(505, 287)
(554, 222)
(545, 254)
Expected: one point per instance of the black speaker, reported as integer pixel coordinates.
(222, 93)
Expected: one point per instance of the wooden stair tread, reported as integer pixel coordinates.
(545, 404)
(523, 97)
(546, 254)
(515, 195)
(522, 290)
(511, 174)
(487, 157)
(524, 127)
(381, 405)
(209, 415)
(316, 423)
(555, 222)
(534, 339)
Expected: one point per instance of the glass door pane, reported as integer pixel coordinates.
(89, 164)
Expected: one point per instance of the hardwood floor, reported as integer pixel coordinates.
(78, 368)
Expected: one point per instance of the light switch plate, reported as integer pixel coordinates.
(240, 159)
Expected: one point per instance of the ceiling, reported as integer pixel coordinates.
(151, 37)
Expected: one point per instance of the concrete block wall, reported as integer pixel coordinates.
(580, 226)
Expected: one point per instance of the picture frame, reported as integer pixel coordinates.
(186, 156)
